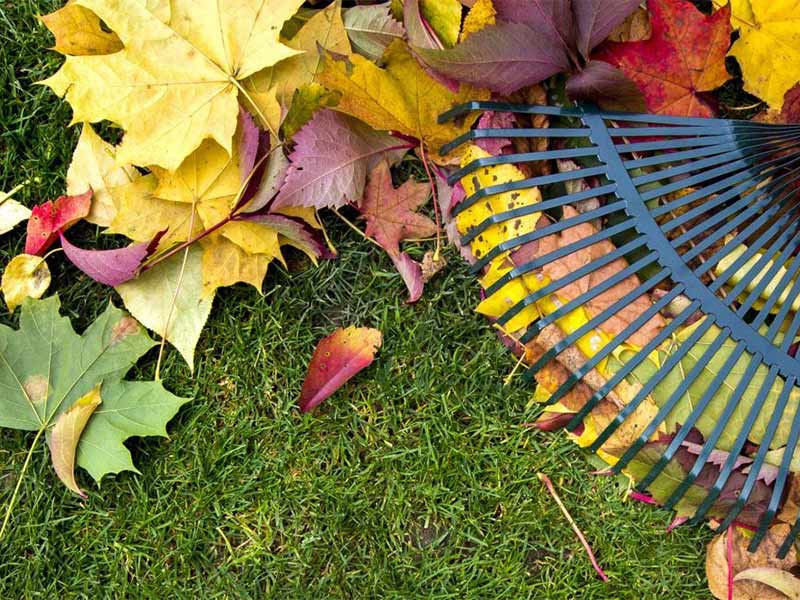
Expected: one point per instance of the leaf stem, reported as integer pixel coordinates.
(261, 116)
(437, 253)
(15, 495)
(353, 226)
(550, 488)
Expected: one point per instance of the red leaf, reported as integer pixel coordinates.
(51, 218)
(684, 57)
(391, 218)
(336, 360)
(110, 267)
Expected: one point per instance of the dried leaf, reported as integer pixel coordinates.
(109, 267)
(79, 31)
(372, 29)
(49, 219)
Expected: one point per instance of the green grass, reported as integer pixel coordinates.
(417, 479)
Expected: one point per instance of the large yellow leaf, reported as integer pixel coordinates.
(78, 31)
(768, 49)
(176, 82)
(401, 97)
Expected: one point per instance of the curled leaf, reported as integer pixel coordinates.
(109, 267)
(53, 217)
(336, 360)
(66, 433)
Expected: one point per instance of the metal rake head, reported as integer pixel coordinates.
(700, 218)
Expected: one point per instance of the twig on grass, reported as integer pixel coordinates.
(550, 488)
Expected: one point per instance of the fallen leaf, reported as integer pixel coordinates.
(12, 213)
(94, 167)
(481, 15)
(635, 28)
(502, 57)
(431, 265)
(78, 31)
(49, 367)
(336, 360)
(552, 20)
(391, 218)
(65, 435)
(400, 98)
(372, 29)
(186, 69)
(332, 157)
(768, 47)
(51, 218)
(782, 581)
(684, 57)
(596, 19)
(607, 86)
(109, 267)
(324, 31)
(766, 556)
(25, 276)
(168, 299)
(432, 23)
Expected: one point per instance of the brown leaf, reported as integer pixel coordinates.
(562, 267)
(765, 556)
(635, 28)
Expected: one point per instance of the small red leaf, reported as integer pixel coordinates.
(110, 267)
(51, 218)
(336, 360)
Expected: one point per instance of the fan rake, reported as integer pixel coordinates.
(704, 211)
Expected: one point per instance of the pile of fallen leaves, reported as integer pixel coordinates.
(240, 123)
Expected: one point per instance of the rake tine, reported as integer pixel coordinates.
(482, 134)
(592, 323)
(694, 131)
(514, 186)
(671, 362)
(509, 215)
(765, 280)
(523, 157)
(671, 157)
(613, 344)
(630, 365)
(524, 109)
(672, 144)
(556, 285)
(586, 296)
(554, 228)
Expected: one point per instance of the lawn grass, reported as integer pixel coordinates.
(417, 479)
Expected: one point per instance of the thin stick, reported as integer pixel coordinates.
(264, 119)
(729, 556)
(353, 227)
(432, 182)
(549, 485)
(14, 496)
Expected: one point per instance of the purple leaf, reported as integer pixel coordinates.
(606, 86)
(420, 32)
(551, 20)
(331, 160)
(495, 120)
(248, 143)
(411, 273)
(596, 19)
(503, 58)
(110, 267)
(371, 29)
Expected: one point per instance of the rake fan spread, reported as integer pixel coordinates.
(653, 289)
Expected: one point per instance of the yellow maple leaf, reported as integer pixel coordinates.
(401, 97)
(444, 17)
(176, 82)
(25, 276)
(768, 48)
(78, 31)
(93, 166)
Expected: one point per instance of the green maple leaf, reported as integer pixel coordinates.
(49, 375)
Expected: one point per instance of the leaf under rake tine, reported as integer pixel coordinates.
(593, 322)
(631, 364)
(522, 157)
(648, 387)
(697, 411)
(510, 215)
(635, 147)
(613, 344)
(587, 296)
(720, 426)
(671, 157)
(549, 230)
(766, 279)
(525, 109)
(514, 186)
(482, 134)
(556, 285)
